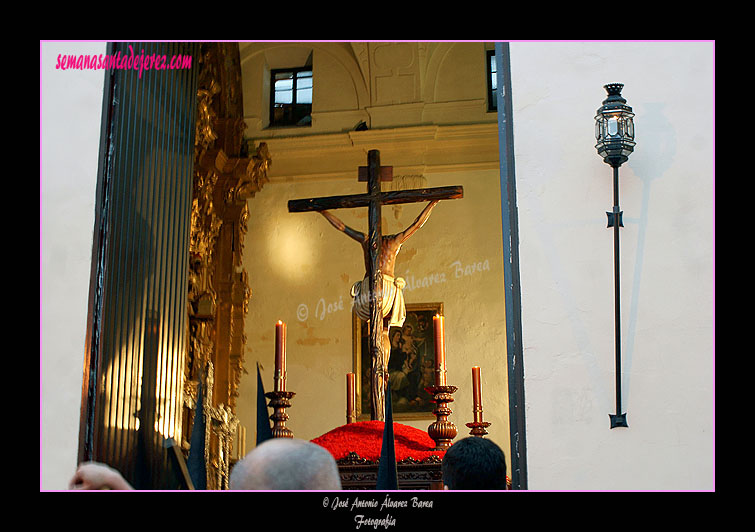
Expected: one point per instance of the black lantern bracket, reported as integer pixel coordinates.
(618, 420)
(613, 216)
(614, 133)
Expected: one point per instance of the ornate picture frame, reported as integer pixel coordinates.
(411, 364)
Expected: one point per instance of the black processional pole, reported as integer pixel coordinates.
(614, 131)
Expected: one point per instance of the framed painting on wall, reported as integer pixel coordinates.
(411, 365)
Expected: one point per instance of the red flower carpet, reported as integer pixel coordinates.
(365, 438)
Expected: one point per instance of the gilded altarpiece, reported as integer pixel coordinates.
(227, 172)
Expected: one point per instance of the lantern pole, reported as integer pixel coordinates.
(615, 143)
(619, 419)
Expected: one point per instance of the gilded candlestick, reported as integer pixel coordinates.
(442, 431)
(279, 401)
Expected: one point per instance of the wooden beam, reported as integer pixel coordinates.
(386, 198)
(386, 173)
(379, 360)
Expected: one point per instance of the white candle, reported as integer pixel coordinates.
(477, 393)
(280, 356)
(350, 398)
(440, 350)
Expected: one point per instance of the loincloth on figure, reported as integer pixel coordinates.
(393, 299)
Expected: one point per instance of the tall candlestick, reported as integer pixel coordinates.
(350, 399)
(477, 393)
(440, 350)
(280, 356)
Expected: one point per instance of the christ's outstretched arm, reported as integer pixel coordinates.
(338, 224)
(419, 222)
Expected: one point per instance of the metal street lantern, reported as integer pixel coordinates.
(614, 127)
(614, 131)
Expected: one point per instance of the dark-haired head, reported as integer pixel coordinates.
(474, 463)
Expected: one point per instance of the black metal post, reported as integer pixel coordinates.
(614, 218)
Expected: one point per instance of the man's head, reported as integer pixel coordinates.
(474, 463)
(286, 464)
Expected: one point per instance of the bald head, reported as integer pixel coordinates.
(286, 464)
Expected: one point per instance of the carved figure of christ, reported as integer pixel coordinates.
(380, 256)
(390, 244)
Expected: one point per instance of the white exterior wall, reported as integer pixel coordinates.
(667, 265)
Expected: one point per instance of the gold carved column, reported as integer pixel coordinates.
(226, 175)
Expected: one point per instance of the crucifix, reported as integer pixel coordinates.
(380, 253)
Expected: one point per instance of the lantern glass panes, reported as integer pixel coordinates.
(614, 127)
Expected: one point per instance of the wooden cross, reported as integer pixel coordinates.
(374, 200)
